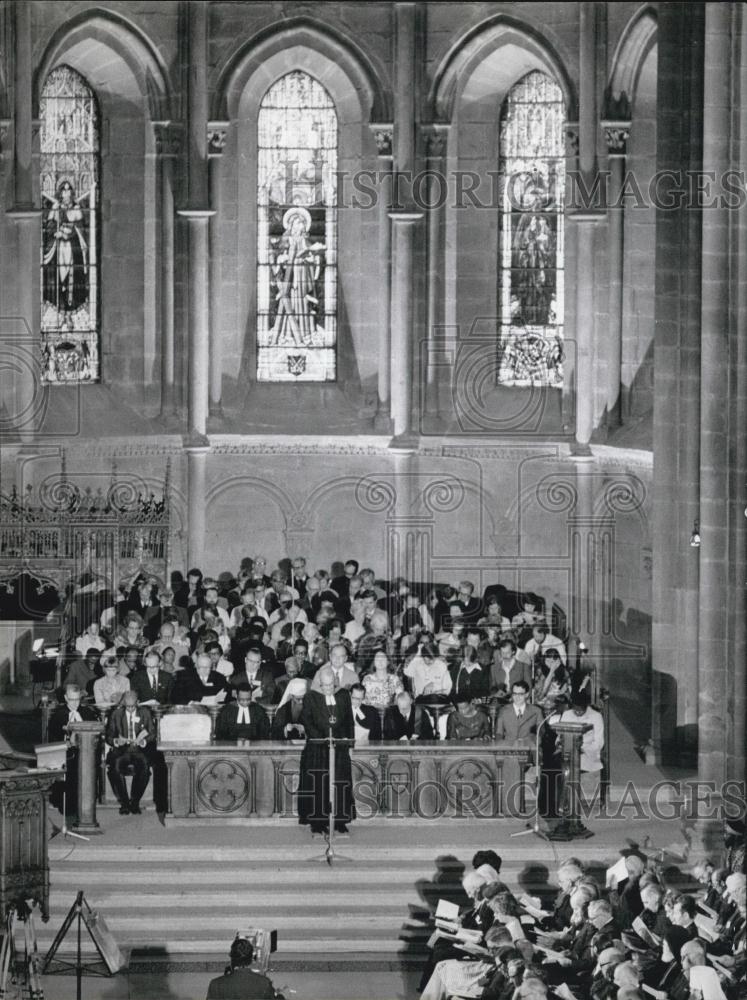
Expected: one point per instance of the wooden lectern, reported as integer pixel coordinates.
(85, 735)
(570, 826)
(24, 861)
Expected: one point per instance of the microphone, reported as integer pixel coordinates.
(534, 827)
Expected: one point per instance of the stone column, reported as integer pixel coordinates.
(26, 215)
(403, 221)
(196, 502)
(585, 218)
(675, 587)
(436, 136)
(383, 134)
(168, 146)
(403, 236)
(568, 398)
(216, 141)
(616, 135)
(86, 736)
(404, 99)
(713, 640)
(198, 215)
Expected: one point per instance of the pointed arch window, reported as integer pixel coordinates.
(297, 232)
(70, 199)
(532, 175)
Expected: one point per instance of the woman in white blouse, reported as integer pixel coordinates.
(382, 684)
(428, 672)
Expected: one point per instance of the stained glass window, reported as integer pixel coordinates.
(532, 168)
(297, 233)
(70, 225)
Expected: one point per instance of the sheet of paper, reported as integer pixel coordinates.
(447, 911)
(706, 926)
(617, 873)
(643, 932)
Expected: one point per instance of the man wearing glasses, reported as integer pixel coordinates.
(519, 720)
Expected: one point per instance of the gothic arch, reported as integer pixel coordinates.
(634, 45)
(284, 503)
(125, 40)
(478, 45)
(249, 62)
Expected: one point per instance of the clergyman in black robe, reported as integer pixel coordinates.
(322, 709)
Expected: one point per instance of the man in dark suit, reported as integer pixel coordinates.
(239, 982)
(341, 584)
(131, 733)
(242, 719)
(519, 720)
(405, 720)
(259, 676)
(164, 611)
(70, 711)
(508, 667)
(151, 683)
(366, 718)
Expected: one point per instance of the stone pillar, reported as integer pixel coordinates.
(404, 95)
(436, 136)
(198, 215)
(383, 136)
(675, 587)
(736, 764)
(713, 639)
(168, 146)
(86, 736)
(585, 218)
(568, 397)
(403, 236)
(216, 141)
(616, 135)
(403, 221)
(196, 502)
(26, 215)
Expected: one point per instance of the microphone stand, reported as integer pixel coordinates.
(330, 854)
(64, 830)
(535, 827)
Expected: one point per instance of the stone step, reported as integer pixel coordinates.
(288, 947)
(112, 898)
(535, 852)
(346, 923)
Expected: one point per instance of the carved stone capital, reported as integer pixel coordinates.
(217, 134)
(383, 134)
(616, 135)
(435, 135)
(168, 137)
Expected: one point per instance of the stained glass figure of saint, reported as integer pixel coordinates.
(296, 269)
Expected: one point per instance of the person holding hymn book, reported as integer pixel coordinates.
(131, 734)
(203, 685)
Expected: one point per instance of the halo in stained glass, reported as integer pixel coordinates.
(70, 197)
(297, 232)
(532, 172)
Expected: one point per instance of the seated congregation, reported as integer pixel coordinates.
(419, 664)
(638, 936)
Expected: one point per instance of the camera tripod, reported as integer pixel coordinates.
(25, 981)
